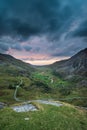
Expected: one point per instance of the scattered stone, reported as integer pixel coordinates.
(2, 105)
(58, 104)
(24, 108)
(26, 119)
(30, 107)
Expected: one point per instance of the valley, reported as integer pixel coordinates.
(37, 86)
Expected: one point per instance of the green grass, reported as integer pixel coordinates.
(48, 118)
(40, 87)
(47, 77)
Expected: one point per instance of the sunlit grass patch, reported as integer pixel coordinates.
(50, 118)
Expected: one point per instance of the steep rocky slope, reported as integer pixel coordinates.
(76, 65)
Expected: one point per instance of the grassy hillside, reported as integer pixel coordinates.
(43, 84)
(14, 67)
(49, 118)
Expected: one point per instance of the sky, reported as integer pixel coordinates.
(41, 32)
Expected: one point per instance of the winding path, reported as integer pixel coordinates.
(28, 107)
(15, 93)
(61, 99)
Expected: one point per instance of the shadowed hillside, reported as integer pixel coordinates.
(14, 67)
(65, 80)
(76, 65)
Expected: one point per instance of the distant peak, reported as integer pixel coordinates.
(85, 50)
(5, 55)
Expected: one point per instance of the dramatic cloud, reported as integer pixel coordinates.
(28, 17)
(32, 17)
(49, 28)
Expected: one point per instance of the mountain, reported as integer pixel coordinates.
(76, 65)
(14, 67)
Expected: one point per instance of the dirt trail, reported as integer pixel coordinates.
(15, 93)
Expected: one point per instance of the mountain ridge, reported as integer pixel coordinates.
(11, 65)
(76, 65)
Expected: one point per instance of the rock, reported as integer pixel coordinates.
(26, 119)
(2, 105)
(24, 108)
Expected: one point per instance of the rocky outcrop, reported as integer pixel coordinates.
(2, 105)
(76, 65)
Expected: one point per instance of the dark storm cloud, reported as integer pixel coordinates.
(7, 43)
(34, 17)
(16, 46)
(27, 48)
(31, 17)
(4, 47)
(82, 31)
(61, 21)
